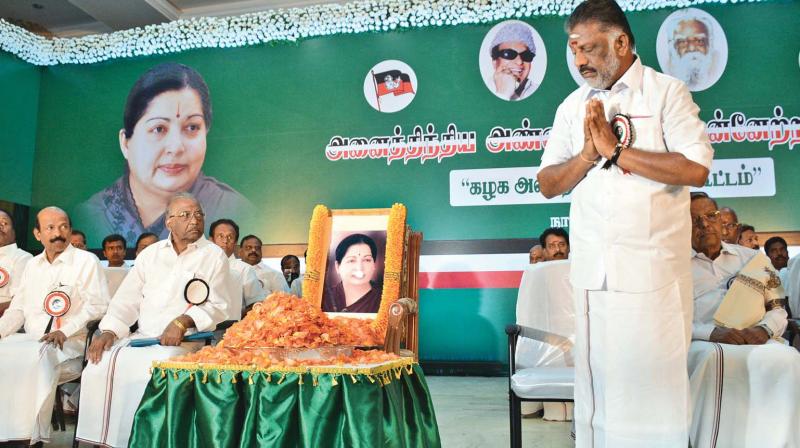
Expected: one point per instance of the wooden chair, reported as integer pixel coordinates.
(402, 333)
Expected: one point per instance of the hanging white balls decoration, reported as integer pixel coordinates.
(288, 25)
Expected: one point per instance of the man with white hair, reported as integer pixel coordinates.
(177, 284)
(60, 291)
(513, 51)
(691, 58)
(744, 380)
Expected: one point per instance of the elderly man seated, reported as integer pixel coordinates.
(246, 288)
(744, 380)
(60, 290)
(177, 284)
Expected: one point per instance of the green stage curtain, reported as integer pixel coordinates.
(314, 407)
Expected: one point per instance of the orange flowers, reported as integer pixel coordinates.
(285, 321)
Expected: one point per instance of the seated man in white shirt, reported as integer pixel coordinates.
(246, 288)
(177, 284)
(12, 260)
(114, 249)
(60, 291)
(271, 279)
(744, 382)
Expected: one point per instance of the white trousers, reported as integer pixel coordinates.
(631, 384)
(112, 389)
(744, 396)
(29, 374)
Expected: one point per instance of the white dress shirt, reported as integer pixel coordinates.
(297, 286)
(153, 291)
(250, 288)
(628, 231)
(13, 261)
(271, 279)
(791, 282)
(76, 272)
(711, 282)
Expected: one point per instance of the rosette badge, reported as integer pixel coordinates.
(57, 303)
(5, 277)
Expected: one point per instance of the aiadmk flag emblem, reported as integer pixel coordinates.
(390, 86)
(392, 82)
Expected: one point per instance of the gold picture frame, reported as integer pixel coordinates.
(321, 233)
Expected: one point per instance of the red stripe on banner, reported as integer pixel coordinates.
(482, 279)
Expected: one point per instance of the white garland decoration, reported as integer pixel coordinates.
(289, 25)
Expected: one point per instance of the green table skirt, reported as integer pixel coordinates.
(186, 405)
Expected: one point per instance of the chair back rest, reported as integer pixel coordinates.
(114, 277)
(545, 302)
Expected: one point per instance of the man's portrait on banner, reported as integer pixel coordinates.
(512, 60)
(692, 47)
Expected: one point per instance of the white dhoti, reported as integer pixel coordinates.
(112, 389)
(29, 374)
(631, 385)
(744, 396)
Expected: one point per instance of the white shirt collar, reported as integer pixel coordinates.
(8, 249)
(63, 257)
(632, 78)
(201, 242)
(726, 249)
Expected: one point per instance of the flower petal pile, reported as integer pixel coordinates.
(284, 321)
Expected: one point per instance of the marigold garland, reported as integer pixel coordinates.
(317, 256)
(393, 265)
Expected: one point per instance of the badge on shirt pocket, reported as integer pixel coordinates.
(5, 277)
(196, 291)
(57, 304)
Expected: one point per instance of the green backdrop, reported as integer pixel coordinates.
(277, 106)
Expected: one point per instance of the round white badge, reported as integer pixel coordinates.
(57, 303)
(196, 291)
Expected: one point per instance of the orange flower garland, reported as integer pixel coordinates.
(317, 255)
(393, 266)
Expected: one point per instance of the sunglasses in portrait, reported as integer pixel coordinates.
(509, 54)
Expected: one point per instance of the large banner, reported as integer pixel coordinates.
(450, 121)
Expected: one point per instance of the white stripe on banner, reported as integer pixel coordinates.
(454, 263)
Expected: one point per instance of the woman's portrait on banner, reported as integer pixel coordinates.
(512, 60)
(692, 47)
(167, 117)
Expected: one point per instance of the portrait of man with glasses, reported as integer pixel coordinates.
(515, 58)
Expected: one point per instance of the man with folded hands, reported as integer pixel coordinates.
(176, 286)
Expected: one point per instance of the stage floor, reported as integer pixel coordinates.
(472, 412)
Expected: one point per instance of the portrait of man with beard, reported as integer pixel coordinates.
(692, 47)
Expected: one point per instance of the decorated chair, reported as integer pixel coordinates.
(398, 249)
(541, 367)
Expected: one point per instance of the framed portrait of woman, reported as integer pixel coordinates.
(355, 259)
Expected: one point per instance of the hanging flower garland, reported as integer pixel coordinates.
(393, 265)
(317, 255)
(289, 25)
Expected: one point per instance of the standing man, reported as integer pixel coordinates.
(271, 280)
(78, 239)
(630, 233)
(114, 247)
(556, 244)
(144, 240)
(61, 290)
(12, 261)
(246, 288)
(178, 285)
(730, 225)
